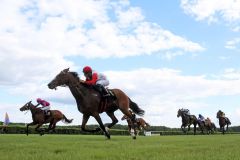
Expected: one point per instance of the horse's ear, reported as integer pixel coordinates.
(65, 70)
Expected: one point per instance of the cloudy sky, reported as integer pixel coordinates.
(165, 55)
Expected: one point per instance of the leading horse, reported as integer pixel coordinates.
(88, 101)
(39, 118)
(187, 121)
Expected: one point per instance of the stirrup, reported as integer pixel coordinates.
(107, 95)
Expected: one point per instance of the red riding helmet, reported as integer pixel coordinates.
(87, 69)
(39, 100)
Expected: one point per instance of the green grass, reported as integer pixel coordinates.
(85, 147)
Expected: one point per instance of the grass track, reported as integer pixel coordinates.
(84, 147)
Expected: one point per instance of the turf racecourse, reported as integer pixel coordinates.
(89, 147)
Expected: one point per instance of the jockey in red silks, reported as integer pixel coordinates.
(98, 80)
(45, 105)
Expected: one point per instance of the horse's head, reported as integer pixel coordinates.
(26, 106)
(62, 79)
(179, 113)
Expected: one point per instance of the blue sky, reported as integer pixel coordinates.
(164, 54)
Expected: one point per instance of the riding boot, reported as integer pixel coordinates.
(47, 114)
(105, 92)
(102, 90)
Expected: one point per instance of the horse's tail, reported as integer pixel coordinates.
(65, 120)
(135, 108)
(228, 121)
(147, 124)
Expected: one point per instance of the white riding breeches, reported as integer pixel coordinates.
(45, 108)
(103, 82)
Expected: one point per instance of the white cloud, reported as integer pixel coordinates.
(37, 36)
(230, 74)
(213, 10)
(233, 44)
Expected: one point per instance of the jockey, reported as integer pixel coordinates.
(208, 121)
(222, 114)
(201, 118)
(98, 80)
(186, 111)
(45, 106)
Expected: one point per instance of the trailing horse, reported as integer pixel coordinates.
(140, 124)
(187, 121)
(90, 102)
(39, 118)
(223, 121)
(209, 127)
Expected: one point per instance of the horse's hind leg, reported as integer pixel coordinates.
(133, 122)
(114, 119)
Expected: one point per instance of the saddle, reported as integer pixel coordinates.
(105, 101)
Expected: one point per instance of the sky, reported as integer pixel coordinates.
(164, 55)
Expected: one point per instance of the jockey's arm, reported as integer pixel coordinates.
(37, 105)
(93, 80)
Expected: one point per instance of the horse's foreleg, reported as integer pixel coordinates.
(84, 122)
(49, 126)
(30, 124)
(183, 128)
(114, 119)
(195, 126)
(99, 120)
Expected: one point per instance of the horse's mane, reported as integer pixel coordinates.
(75, 74)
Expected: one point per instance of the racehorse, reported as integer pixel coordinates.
(187, 120)
(141, 124)
(211, 128)
(223, 121)
(207, 125)
(39, 118)
(89, 101)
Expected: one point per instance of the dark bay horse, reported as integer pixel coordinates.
(88, 101)
(141, 124)
(223, 121)
(39, 118)
(187, 120)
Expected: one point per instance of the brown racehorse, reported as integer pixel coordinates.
(207, 125)
(223, 121)
(88, 101)
(39, 118)
(141, 124)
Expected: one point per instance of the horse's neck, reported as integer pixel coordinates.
(81, 94)
(33, 109)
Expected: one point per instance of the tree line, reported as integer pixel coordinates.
(20, 128)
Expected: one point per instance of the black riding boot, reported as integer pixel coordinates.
(102, 90)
